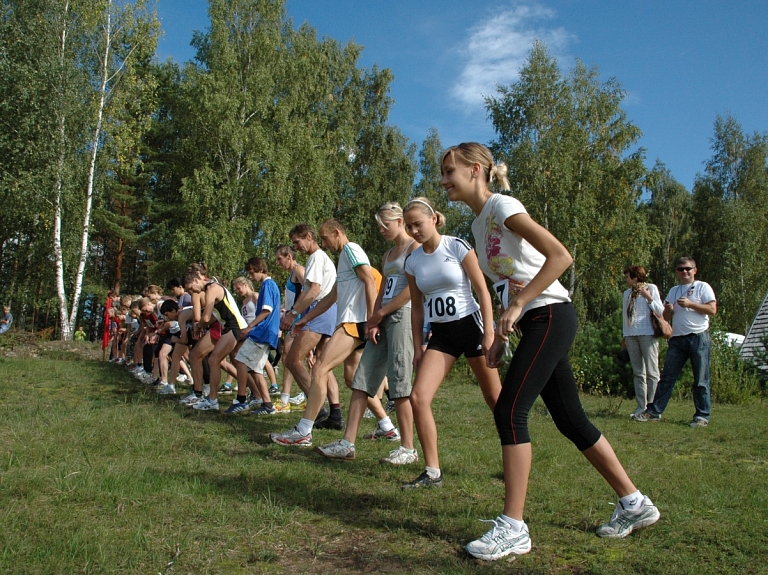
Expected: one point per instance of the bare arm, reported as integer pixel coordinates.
(214, 293)
(417, 318)
(477, 279)
(365, 275)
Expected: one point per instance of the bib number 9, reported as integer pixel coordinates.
(438, 307)
(389, 287)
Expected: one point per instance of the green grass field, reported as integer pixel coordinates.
(98, 475)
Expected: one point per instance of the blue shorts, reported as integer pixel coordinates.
(324, 324)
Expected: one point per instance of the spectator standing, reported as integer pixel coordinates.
(688, 306)
(640, 301)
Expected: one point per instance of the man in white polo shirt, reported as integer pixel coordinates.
(354, 293)
(688, 306)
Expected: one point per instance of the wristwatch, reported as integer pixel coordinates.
(294, 312)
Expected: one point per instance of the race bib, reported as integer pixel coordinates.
(389, 287)
(441, 307)
(501, 289)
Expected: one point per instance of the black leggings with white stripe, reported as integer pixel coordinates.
(540, 366)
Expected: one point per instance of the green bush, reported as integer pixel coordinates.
(593, 357)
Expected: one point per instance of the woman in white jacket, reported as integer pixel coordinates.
(640, 301)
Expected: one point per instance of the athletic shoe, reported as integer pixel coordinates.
(500, 541)
(225, 389)
(181, 378)
(647, 416)
(292, 437)
(157, 384)
(236, 408)
(699, 422)
(255, 403)
(324, 413)
(635, 414)
(264, 410)
(136, 369)
(330, 423)
(167, 389)
(297, 399)
(146, 378)
(207, 405)
(336, 450)
(624, 521)
(368, 414)
(390, 408)
(281, 407)
(274, 390)
(424, 480)
(400, 456)
(378, 433)
(191, 399)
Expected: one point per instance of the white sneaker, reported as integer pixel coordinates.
(181, 378)
(297, 399)
(500, 541)
(400, 456)
(207, 405)
(167, 389)
(190, 400)
(336, 450)
(624, 521)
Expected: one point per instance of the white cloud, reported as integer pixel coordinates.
(497, 48)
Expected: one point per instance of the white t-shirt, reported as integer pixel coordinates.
(443, 281)
(350, 290)
(320, 270)
(686, 321)
(508, 259)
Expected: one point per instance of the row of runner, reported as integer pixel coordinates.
(374, 326)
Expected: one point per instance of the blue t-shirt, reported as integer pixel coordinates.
(267, 330)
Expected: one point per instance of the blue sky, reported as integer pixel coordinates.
(681, 62)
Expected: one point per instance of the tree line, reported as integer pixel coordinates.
(117, 170)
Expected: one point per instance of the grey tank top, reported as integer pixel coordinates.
(394, 272)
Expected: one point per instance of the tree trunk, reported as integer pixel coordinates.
(57, 249)
(91, 173)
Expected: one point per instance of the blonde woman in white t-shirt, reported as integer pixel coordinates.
(525, 260)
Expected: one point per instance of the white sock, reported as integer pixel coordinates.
(385, 424)
(433, 472)
(346, 443)
(305, 426)
(632, 501)
(284, 397)
(515, 524)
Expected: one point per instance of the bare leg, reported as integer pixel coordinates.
(356, 410)
(221, 350)
(435, 365)
(404, 413)
(287, 375)
(488, 378)
(202, 348)
(517, 468)
(303, 343)
(336, 350)
(603, 458)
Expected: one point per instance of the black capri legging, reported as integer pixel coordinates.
(540, 366)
